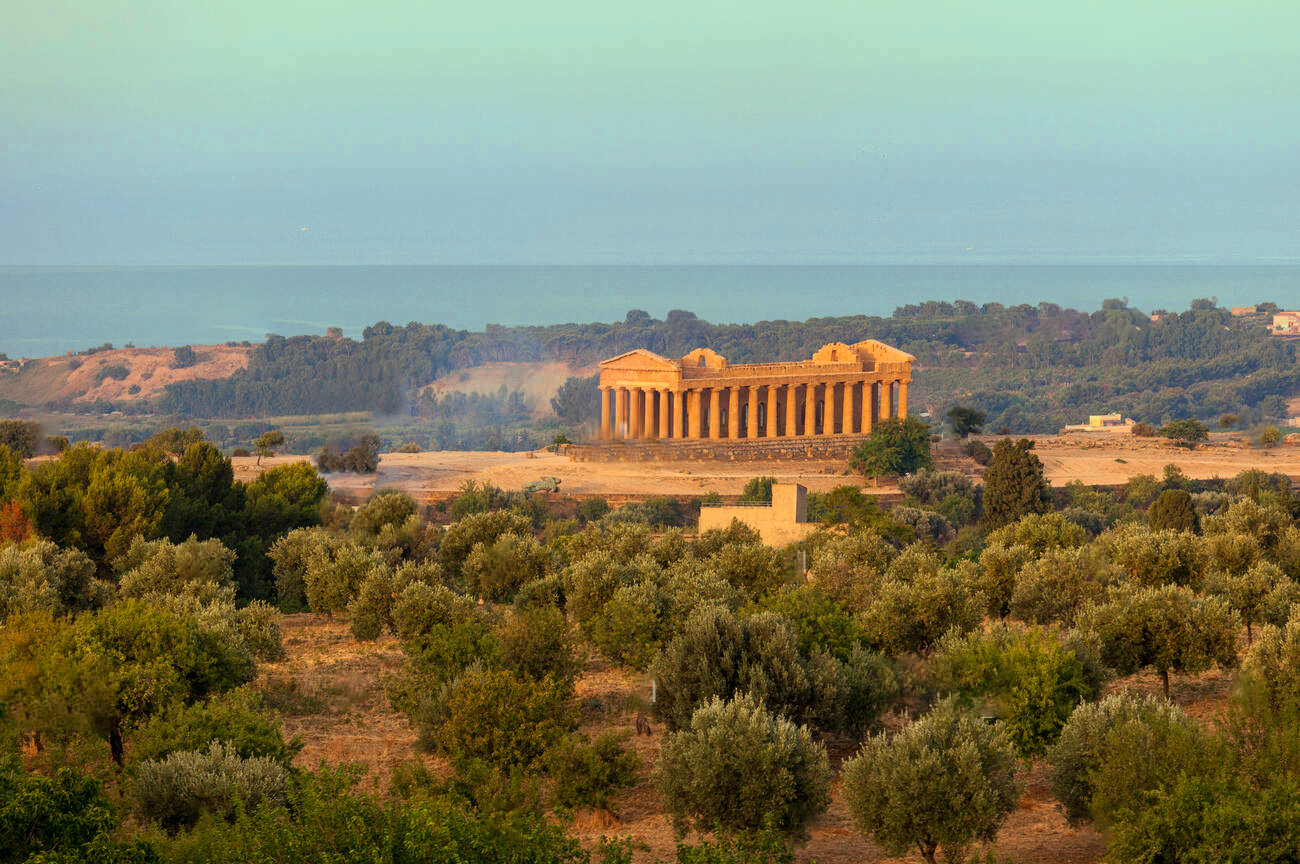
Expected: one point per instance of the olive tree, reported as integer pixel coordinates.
(40, 576)
(1076, 758)
(1168, 629)
(942, 782)
(741, 768)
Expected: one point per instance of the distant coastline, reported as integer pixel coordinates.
(52, 310)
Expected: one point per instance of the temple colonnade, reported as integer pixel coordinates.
(750, 411)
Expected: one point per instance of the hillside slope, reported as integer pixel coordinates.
(119, 375)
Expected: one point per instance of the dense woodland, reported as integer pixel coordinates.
(1030, 368)
(950, 643)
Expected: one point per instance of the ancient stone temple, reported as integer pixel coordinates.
(843, 390)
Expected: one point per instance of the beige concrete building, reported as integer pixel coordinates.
(843, 390)
(783, 521)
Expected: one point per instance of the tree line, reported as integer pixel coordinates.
(1030, 368)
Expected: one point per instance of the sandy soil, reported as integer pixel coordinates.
(1092, 461)
(150, 369)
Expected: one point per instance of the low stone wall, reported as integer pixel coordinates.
(794, 449)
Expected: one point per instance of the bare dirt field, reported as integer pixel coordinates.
(1109, 460)
(330, 690)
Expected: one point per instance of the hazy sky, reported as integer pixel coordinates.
(553, 131)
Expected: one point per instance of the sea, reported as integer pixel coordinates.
(51, 310)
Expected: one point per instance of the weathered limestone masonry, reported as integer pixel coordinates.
(836, 447)
(783, 521)
(844, 390)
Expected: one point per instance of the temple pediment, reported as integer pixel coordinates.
(639, 360)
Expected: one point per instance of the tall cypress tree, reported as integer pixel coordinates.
(1014, 485)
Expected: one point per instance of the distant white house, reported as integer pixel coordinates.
(1286, 323)
(1103, 423)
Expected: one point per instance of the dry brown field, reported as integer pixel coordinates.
(1094, 460)
(330, 689)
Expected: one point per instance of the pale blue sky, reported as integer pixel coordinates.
(747, 132)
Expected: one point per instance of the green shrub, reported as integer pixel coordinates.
(739, 767)
(717, 655)
(910, 614)
(326, 819)
(1040, 532)
(65, 818)
(628, 626)
(1144, 759)
(494, 716)
(386, 508)
(1035, 678)
(1213, 819)
(461, 537)
(372, 610)
(589, 773)
(819, 620)
(38, 576)
(238, 718)
(1173, 511)
(176, 790)
(498, 569)
(536, 644)
(1057, 587)
(201, 570)
(332, 580)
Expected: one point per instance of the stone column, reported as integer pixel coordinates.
(810, 409)
(846, 415)
(635, 412)
(886, 399)
(665, 405)
(733, 414)
(604, 413)
(791, 412)
(679, 414)
(902, 399)
(650, 428)
(868, 406)
(620, 402)
(697, 414)
(715, 413)
(770, 430)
